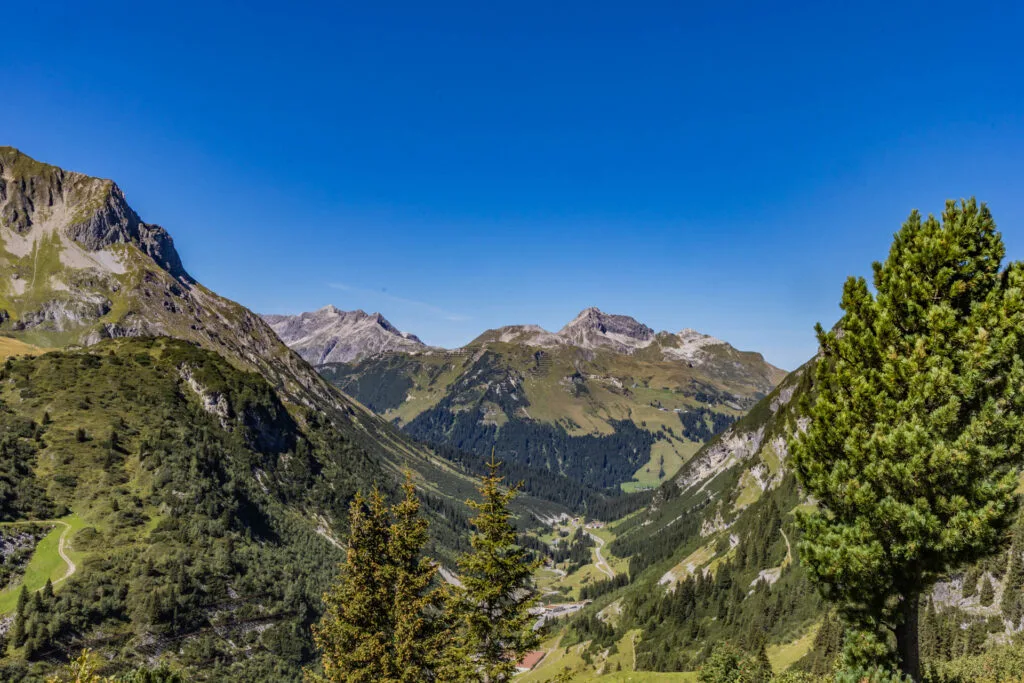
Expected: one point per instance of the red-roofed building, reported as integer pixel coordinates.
(530, 660)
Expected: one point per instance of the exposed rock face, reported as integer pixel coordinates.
(688, 345)
(66, 314)
(531, 335)
(593, 329)
(116, 223)
(330, 335)
(214, 403)
(732, 448)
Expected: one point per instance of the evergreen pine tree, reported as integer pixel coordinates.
(48, 590)
(1015, 568)
(384, 619)
(354, 634)
(915, 427)
(421, 632)
(18, 628)
(987, 593)
(762, 665)
(930, 638)
(970, 585)
(498, 586)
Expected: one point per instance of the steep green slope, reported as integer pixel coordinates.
(78, 265)
(209, 510)
(223, 494)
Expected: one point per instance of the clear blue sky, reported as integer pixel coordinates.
(459, 166)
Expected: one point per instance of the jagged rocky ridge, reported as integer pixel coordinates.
(329, 335)
(593, 329)
(78, 265)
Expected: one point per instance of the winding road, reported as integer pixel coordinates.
(72, 568)
(601, 563)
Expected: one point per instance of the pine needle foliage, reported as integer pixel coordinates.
(383, 618)
(498, 587)
(916, 433)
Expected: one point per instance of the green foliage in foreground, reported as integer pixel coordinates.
(383, 620)
(729, 664)
(388, 621)
(916, 429)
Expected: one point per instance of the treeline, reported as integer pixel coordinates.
(380, 383)
(596, 589)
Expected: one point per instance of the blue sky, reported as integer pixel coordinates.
(458, 166)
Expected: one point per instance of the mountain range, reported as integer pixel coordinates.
(175, 474)
(156, 427)
(614, 403)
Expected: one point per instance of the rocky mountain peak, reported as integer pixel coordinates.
(78, 265)
(90, 215)
(330, 335)
(593, 328)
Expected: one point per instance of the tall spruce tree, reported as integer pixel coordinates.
(498, 587)
(354, 633)
(383, 620)
(915, 430)
(18, 628)
(422, 635)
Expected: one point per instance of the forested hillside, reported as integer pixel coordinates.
(184, 498)
(714, 558)
(208, 518)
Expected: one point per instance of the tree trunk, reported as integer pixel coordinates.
(907, 639)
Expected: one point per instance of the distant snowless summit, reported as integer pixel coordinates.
(594, 329)
(330, 335)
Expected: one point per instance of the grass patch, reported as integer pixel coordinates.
(750, 491)
(785, 655)
(15, 347)
(46, 562)
(694, 561)
(606, 669)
